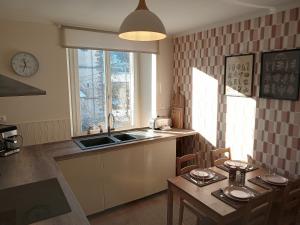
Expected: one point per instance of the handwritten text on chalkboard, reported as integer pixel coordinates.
(280, 75)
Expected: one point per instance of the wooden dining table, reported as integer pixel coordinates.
(201, 197)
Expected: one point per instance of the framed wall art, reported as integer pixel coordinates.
(280, 75)
(239, 71)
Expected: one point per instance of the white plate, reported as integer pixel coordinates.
(238, 193)
(202, 174)
(236, 163)
(274, 179)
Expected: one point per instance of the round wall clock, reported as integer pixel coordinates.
(24, 64)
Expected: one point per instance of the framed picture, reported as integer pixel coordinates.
(239, 71)
(280, 75)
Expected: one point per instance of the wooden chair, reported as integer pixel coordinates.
(290, 204)
(258, 210)
(184, 165)
(218, 156)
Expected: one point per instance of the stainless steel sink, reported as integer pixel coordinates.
(100, 141)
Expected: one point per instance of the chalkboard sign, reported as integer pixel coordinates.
(280, 75)
(239, 74)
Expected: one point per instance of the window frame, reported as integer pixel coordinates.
(74, 89)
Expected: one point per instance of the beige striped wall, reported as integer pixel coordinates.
(44, 131)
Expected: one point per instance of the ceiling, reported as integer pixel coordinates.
(179, 16)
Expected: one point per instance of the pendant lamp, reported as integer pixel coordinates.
(142, 25)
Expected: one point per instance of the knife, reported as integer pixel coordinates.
(195, 181)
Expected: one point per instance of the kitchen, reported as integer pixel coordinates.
(85, 79)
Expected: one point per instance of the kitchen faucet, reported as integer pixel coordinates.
(108, 123)
(154, 123)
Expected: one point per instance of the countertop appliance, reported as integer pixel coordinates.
(160, 122)
(10, 141)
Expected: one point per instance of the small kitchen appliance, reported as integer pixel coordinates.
(10, 141)
(160, 123)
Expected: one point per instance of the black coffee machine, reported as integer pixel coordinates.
(10, 141)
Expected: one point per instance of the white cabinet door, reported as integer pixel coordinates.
(159, 165)
(107, 179)
(124, 175)
(84, 177)
(137, 171)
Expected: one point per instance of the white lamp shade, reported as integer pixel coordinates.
(142, 25)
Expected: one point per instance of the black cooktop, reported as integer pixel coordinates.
(32, 202)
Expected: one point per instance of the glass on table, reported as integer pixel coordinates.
(272, 170)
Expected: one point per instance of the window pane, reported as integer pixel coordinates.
(121, 80)
(91, 70)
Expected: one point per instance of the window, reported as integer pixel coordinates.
(105, 83)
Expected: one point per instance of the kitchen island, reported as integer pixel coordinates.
(42, 162)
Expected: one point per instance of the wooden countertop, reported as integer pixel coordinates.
(38, 162)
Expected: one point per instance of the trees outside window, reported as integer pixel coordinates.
(105, 85)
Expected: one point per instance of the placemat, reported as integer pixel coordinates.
(258, 181)
(200, 183)
(235, 204)
(225, 168)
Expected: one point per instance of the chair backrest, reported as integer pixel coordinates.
(291, 202)
(258, 210)
(218, 156)
(186, 163)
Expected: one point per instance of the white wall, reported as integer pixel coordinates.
(164, 77)
(47, 115)
(145, 83)
(164, 81)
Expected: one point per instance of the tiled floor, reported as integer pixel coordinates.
(149, 211)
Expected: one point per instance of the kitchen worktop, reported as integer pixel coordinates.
(38, 162)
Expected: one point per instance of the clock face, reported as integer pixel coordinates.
(24, 64)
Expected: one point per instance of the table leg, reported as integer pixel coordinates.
(170, 207)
